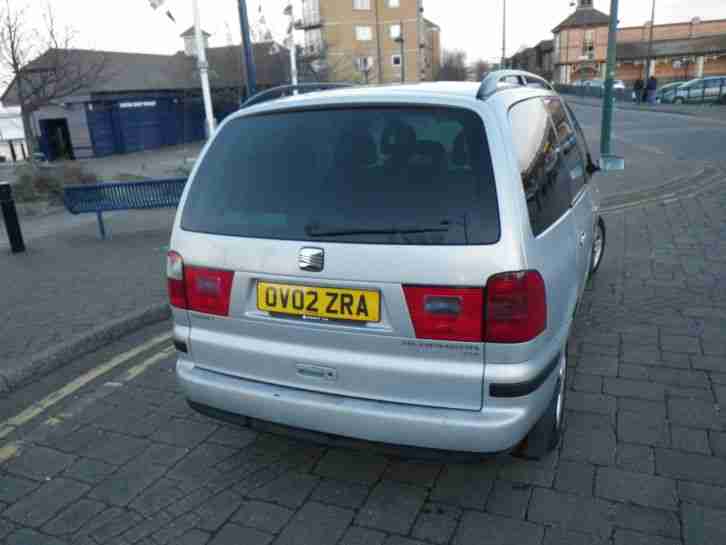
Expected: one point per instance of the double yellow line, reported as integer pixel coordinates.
(38, 408)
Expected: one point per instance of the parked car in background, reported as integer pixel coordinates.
(667, 93)
(696, 91)
(599, 84)
(398, 264)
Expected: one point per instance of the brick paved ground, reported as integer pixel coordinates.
(643, 460)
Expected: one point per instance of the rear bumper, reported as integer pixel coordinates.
(501, 425)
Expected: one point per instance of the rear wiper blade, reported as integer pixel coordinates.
(323, 231)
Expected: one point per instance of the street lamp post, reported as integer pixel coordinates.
(249, 60)
(504, 34)
(607, 111)
(650, 42)
(291, 44)
(203, 70)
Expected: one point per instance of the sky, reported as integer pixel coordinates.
(472, 25)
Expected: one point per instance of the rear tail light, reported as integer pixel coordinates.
(175, 280)
(516, 308)
(512, 309)
(196, 288)
(452, 314)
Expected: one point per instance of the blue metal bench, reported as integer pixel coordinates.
(80, 199)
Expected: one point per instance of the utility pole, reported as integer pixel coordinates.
(400, 41)
(607, 110)
(650, 43)
(248, 59)
(203, 70)
(504, 34)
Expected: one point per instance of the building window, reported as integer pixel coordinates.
(361, 4)
(396, 60)
(395, 32)
(588, 46)
(394, 3)
(363, 33)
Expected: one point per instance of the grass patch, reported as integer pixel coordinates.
(46, 182)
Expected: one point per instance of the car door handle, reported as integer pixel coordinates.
(583, 237)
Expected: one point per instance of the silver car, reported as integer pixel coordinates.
(400, 264)
(696, 91)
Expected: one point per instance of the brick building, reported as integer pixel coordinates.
(680, 51)
(374, 41)
(538, 59)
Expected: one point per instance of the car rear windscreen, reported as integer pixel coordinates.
(380, 175)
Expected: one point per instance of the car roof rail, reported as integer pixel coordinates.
(494, 82)
(287, 90)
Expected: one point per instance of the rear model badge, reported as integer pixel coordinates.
(311, 259)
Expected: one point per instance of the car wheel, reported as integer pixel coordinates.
(544, 437)
(679, 100)
(598, 246)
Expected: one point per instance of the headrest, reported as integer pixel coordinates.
(398, 138)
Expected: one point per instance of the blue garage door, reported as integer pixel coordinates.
(100, 125)
(140, 125)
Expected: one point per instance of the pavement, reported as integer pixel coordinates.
(116, 456)
(71, 291)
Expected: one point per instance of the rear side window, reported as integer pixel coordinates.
(544, 175)
(364, 175)
(569, 150)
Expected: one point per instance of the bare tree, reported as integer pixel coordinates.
(317, 65)
(480, 68)
(41, 65)
(453, 66)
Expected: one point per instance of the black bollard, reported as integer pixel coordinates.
(10, 215)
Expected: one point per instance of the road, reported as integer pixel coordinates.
(658, 147)
(106, 451)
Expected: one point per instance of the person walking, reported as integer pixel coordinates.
(638, 91)
(651, 89)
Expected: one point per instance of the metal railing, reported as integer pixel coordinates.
(592, 91)
(703, 95)
(503, 79)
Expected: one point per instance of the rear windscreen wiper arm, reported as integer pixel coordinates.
(322, 231)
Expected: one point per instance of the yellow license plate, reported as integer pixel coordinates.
(318, 302)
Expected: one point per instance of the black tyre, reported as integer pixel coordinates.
(679, 100)
(544, 437)
(598, 246)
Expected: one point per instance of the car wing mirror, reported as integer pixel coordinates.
(592, 168)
